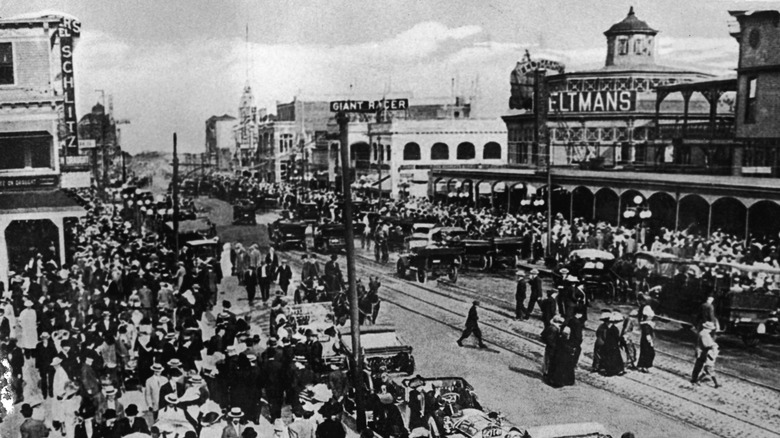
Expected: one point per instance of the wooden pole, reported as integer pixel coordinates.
(357, 375)
(175, 195)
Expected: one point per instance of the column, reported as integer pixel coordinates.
(709, 221)
(593, 218)
(508, 198)
(4, 253)
(59, 222)
(620, 201)
(747, 225)
(677, 213)
(571, 207)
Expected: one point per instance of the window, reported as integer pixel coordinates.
(440, 151)
(285, 142)
(25, 150)
(649, 51)
(750, 101)
(6, 64)
(638, 45)
(466, 151)
(492, 151)
(411, 152)
(622, 44)
(388, 158)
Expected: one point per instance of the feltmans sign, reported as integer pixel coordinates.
(368, 106)
(592, 101)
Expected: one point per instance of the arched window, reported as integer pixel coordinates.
(492, 151)
(440, 151)
(411, 152)
(466, 151)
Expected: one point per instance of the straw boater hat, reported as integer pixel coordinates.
(709, 325)
(616, 316)
(171, 398)
(605, 315)
(109, 390)
(648, 312)
(235, 413)
(157, 367)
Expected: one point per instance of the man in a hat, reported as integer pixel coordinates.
(234, 428)
(264, 276)
(152, 389)
(332, 426)
(30, 427)
(302, 426)
(704, 343)
(285, 274)
(210, 426)
(173, 386)
(520, 289)
(28, 321)
(5, 326)
(472, 326)
(601, 338)
(707, 313)
(136, 423)
(45, 352)
(536, 291)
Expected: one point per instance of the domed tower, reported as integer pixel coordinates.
(630, 42)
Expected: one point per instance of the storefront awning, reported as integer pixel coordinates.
(48, 201)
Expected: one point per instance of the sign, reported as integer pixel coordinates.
(368, 106)
(67, 31)
(529, 66)
(28, 182)
(592, 101)
(523, 79)
(86, 144)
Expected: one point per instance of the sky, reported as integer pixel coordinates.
(171, 64)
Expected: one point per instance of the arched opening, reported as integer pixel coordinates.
(440, 151)
(440, 190)
(500, 196)
(466, 151)
(663, 207)
(412, 152)
(517, 193)
(582, 203)
(492, 151)
(560, 201)
(694, 214)
(728, 216)
(606, 206)
(484, 194)
(360, 154)
(26, 238)
(762, 219)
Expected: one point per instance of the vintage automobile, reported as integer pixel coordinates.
(244, 212)
(505, 252)
(193, 229)
(400, 230)
(330, 238)
(285, 234)
(382, 347)
(747, 314)
(427, 261)
(204, 248)
(307, 212)
(421, 235)
(593, 268)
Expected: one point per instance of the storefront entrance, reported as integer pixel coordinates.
(27, 238)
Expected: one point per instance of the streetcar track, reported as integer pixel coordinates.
(475, 294)
(582, 368)
(528, 338)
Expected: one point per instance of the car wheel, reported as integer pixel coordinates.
(484, 263)
(453, 274)
(750, 340)
(421, 275)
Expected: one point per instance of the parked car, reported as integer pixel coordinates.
(382, 348)
(244, 212)
(330, 238)
(420, 263)
(285, 234)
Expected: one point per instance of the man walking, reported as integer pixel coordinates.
(264, 280)
(536, 292)
(520, 311)
(285, 274)
(472, 326)
(704, 344)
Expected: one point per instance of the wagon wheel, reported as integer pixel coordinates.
(484, 262)
(453, 274)
(421, 275)
(400, 269)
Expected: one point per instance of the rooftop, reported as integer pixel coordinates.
(630, 24)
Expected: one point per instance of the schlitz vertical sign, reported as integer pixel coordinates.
(68, 30)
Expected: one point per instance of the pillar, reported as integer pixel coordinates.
(620, 201)
(59, 222)
(593, 218)
(677, 214)
(747, 225)
(4, 253)
(709, 221)
(508, 198)
(571, 206)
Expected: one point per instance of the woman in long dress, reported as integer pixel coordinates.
(28, 321)
(226, 264)
(646, 346)
(611, 358)
(564, 360)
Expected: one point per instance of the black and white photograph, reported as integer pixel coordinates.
(389, 219)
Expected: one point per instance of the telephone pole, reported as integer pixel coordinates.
(175, 196)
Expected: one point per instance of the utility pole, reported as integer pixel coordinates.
(175, 196)
(354, 314)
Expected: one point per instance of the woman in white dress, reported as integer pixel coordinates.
(224, 261)
(28, 321)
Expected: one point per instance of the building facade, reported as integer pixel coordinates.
(38, 139)
(245, 133)
(219, 141)
(690, 150)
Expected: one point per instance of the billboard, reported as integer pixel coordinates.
(67, 30)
